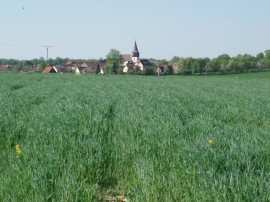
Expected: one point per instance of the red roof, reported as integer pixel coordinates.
(49, 69)
(127, 57)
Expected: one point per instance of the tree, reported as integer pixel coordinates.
(249, 62)
(18, 67)
(240, 63)
(35, 61)
(41, 66)
(267, 54)
(208, 67)
(233, 65)
(9, 62)
(222, 62)
(148, 71)
(114, 68)
(41, 59)
(58, 61)
(174, 60)
(260, 56)
(215, 65)
(186, 65)
(199, 65)
(113, 61)
(50, 61)
(163, 62)
(266, 60)
(224, 57)
(27, 63)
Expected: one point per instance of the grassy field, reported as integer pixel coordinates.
(91, 137)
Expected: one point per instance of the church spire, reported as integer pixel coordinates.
(135, 52)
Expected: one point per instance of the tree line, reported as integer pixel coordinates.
(33, 62)
(222, 64)
(41, 62)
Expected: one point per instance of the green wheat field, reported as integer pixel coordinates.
(134, 138)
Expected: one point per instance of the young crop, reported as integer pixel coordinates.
(133, 138)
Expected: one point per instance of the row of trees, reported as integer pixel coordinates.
(19, 64)
(33, 62)
(221, 64)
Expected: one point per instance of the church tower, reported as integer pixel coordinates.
(135, 54)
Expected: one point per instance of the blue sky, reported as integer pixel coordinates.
(90, 28)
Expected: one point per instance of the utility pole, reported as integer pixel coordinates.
(47, 47)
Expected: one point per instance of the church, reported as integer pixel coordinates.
(133, 62)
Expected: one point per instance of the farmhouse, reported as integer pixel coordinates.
(86, 67)
(78, 68)
(29, 69)
(133, 62)
(50, 69)
(92, 67)
(6, 68)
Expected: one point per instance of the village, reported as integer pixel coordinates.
(129, 64)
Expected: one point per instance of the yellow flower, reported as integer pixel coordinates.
(18, 151)
(210, 142)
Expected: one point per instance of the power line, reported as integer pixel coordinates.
(19, 45)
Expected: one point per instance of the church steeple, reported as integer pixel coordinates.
(135, 52)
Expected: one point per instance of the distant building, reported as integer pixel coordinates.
(166, 69)
(86, 67)
(50, 69)
(133, 62)
(29, 69)
(78, 68)
(6, 68)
